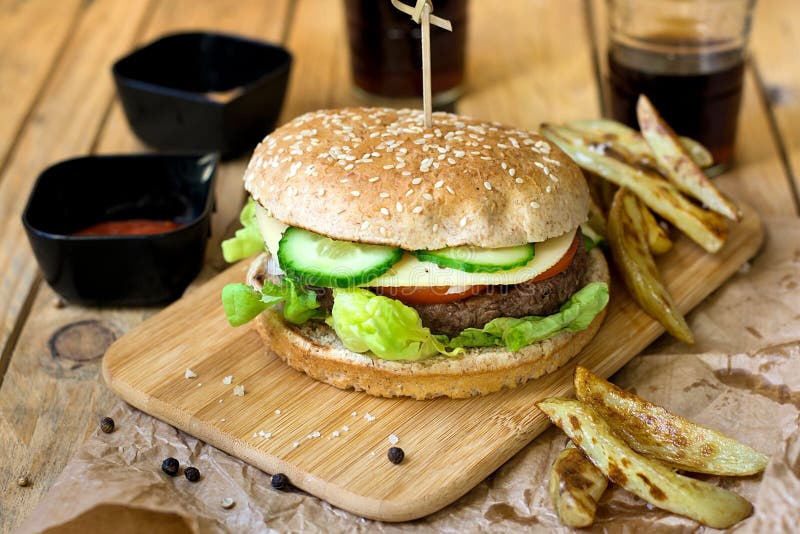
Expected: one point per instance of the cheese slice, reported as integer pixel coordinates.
(410, 271)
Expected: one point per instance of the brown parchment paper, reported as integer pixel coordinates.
(742, 377)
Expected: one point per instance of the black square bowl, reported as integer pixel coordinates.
(203, 91)
(129, 270)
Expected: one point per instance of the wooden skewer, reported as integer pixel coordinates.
(425, 22)
(421, 14)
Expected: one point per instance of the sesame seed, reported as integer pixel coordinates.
(554, 178)
(451, 161)
(409, 192)
(382, 230)
(502, 145)
(321, 191)
(416, 209)
(487, 185)
(518, 180)
(416, 181)
(463, 221)
(450, 190)
(548, 188)
(438, 184)
(364, 225)
(384, 195)
(355, 193)
(349, 167)
(390, 166)
(534, 204)
(374, 179)
(384, 211)
(427, 196)
(435, 227)
(399, 206)
(512, 172)
(504, 165)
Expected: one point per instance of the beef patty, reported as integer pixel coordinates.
(519, 300)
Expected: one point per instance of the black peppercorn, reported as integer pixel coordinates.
(170, 466)
(107, 425)
(396, 455)
(192, 474)
(280, 481)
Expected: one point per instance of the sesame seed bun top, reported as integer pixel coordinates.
(376, 175)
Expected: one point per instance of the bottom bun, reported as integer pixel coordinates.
(315, 349)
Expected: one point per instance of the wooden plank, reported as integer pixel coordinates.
(72, 105)
(63, 124)
(320, 75)
(35, 436)
(31, 36)
(775, 41)
(757, 174)
(529, 62)
(451, 445)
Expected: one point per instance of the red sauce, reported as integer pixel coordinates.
(129, 227)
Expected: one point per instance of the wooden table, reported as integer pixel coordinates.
(528, 61)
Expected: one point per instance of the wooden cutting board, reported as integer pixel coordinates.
(333, 443)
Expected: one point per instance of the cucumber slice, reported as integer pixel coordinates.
(321, 261)
(479, 260)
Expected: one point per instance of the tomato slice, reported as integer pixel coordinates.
(439, 294)
(563, 263)
(427, 295)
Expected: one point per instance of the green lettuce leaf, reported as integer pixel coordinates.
(242, 303)
(247, 240)
(513, 334)
(591, 238)
(365, 322)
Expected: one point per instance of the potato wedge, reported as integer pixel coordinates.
(677, 162)
(619, 134)
(575, 487)
(655, 483)
(653, 431)
(706, 228)
(627, 238)
(597, 219)
(657, 237)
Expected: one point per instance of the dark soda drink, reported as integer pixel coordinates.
(698, 94)
(386, 50)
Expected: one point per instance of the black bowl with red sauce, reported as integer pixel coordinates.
(127, 230)
(203, 91)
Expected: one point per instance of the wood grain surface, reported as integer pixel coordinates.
(450, 445)
(527, 62)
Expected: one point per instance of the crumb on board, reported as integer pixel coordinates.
(369, 417)
(227, 380)
(189, 373)
(354, 414)
(335, 433)
(238, 390)
(393, 439)
(295, 444)
(345, 428)
(277, 412)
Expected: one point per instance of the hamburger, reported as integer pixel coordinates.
(401, 260)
